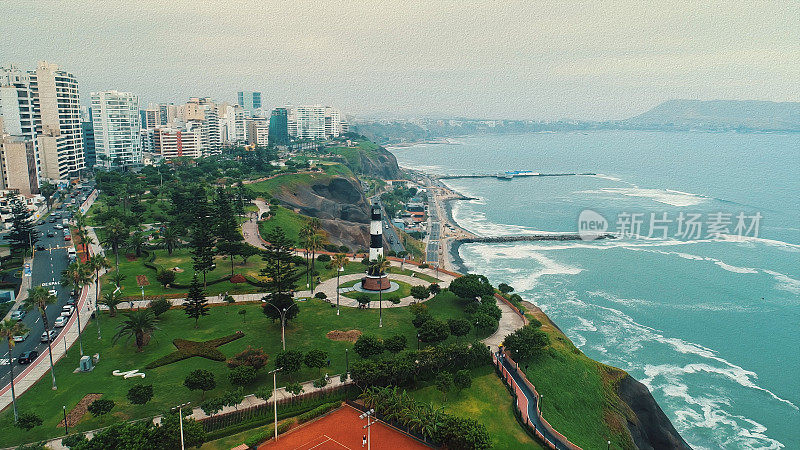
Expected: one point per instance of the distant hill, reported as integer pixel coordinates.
(720, 114)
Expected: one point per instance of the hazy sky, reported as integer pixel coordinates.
(494, 59)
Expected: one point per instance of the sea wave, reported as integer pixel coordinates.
(665, 196)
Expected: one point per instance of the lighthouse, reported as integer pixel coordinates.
(375, 234)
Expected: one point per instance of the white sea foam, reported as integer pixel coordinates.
(719, 263)
(785, 282)
(769, 242)
(666, 196)
(487, 253)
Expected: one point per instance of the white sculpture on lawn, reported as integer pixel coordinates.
(128, 374)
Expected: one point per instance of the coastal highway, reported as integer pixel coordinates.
(45, 271)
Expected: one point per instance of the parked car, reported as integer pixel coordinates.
(50, 234)
(40, 247)
(67, 237)
(27, 357)
(71, 301)
(21, 337)
(53, 292)
(48, 336)
(58, 226)
(67, 310)
(18, 314)
(60, 321)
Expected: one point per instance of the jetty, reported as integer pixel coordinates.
(511, 174)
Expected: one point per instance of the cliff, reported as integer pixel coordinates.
(720, 115)
(650, 429)
(368, 158)
(338, 202)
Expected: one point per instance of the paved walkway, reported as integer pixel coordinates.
(509, 322)
(250, 228)
(65, 339)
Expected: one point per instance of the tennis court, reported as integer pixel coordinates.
(340, 430)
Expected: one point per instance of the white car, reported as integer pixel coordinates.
(60, 321)
(67, 310)
(21, 337)
(58, 226)
(49, 335)
(52, 292)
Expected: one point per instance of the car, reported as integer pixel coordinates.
(71, 301)
(59, 226)
(53, 219)
(27, 357)
(51, 234)
(48, 336)
(60, 321)
(67, 310)
(21, 337)
(53, 292)
(18, 314)
(67, 238)
(40, 247)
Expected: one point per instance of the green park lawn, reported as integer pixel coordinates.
(489, 402)
(307, 331)
(290, 221)
(182, 258)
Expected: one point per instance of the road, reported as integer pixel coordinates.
(45, 271)
(389, 233)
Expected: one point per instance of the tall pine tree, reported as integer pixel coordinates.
(196, 304)
(23, 233)
(202, 241)
(282, 275)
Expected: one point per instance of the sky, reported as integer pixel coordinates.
(487, 59)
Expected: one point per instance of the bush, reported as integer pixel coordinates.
(165, 277)
(140, 394)
(186, 349)
(321, 295)
(200, 380)
(101, 406)
(424, 266)
(395, 344)
(471, 286)
(434, 288)
(362, 298)
(27, 421)
(290, 360)
(160, 305)
(267, 433)
(318, 411)
(462, 379)
(419, 292)
(242, 375)
(433, 331)
(367, 346)
(213, 405)
(253, 357)
(316, 359)
(324, 258)
(459, 327)
(73, 440)
(525, 342)
(394, 299)
(419, 320)
(320, 382)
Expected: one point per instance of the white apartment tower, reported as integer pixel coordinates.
(310, 122)
(56, 106)
(117, 135)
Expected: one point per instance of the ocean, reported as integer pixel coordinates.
(700, 300)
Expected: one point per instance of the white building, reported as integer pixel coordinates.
(56, 104)
(175, 143)
(117, 136)
(310, 122)
(17, 116)
(258, 131)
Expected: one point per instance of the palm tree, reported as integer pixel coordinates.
(136, 242)
(8, 329)
(111, 299)
(117, 278)
(171, 238)
(116, 234)
(137, 324)
(76, 276)
(97, 263)
(378, 268)
(39, 298)
(338, 262)
(80, 220)
(85, 237)
(313, 243)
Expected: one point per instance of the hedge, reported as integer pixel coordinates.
(318, 411)
(206, 349)
(267, 433)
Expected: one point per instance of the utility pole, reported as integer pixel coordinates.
(275, 397)
(180, 420)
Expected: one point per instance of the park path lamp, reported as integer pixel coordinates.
(338, 272)
(346, 364)
(275, 397)
(367, 415)
(66, 425)
(180, 420)
(417, 341)
(140, 306)
(282, 312)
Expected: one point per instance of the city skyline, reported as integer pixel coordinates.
(526, 61)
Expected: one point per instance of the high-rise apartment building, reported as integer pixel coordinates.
(279, 127)
(152, 117)
(167, 113)
(117, 138)
(250, 101)
(310, 122)
(87, 131)
(173, 143)
(56, 105)
(17, 115)
(258, 131)
(333, 122)
(18, 164)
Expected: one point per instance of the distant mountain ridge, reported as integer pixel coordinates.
(720, 114)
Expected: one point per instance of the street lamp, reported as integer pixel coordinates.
(66, 425)
(417, 341)
(180, 419)
(346, 364)
(142, 286)
(341, 269)
(367, 415)
(275, 397)
(282, 312)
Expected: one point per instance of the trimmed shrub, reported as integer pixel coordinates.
(101, 406)
(324, 258)
(318, 411)
(140, 394)
(242, 375)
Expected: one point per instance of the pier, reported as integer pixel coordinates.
(509, 175)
